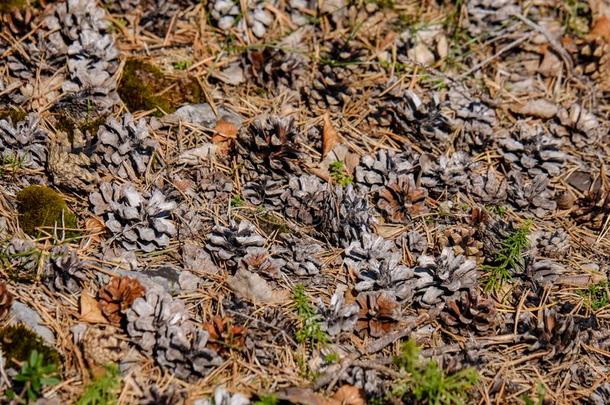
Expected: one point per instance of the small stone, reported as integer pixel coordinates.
(421, 54)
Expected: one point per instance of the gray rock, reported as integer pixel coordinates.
(26, 315)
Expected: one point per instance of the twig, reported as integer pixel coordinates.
(485, 62)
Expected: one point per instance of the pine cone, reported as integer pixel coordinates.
(331, 90)
(64, 271)
(227, 14)
(375, 171)
(593, 209)
(6, 301)
(337, 317)
(543, 272)
(379, 313)
(406, 113)
(269, 147)
(485, 16)
(21, 258)
(414, 241)
(214, 185)
(463, 240)
(161, 327)
(304, 199)
(345, 216)
(265, 191)
(475, 120)
(224, 335)
(531, 194)
(401, 199)
(582, 127)
(24, 142)
(224, 397)
(170, 396)
(552, 332)
(442, 277)
(449, 174)
(158, 14)
(552, 244)
(102, 345)
(471, 311)
(138, 221)
(527, 148)
(300, 257)
(232, 243)
(367, 380)
(276, 69)
(258, 261)
(117, 296)
(592, 58)
(124, 147)
(368, 251)
(488, 187)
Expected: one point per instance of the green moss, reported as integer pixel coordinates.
(15, 114)
(41, 206)
(142, 87)
(18, 342)
(9, 5)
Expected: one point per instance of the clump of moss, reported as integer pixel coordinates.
(143, 86)
(15, 114)
(40, 206)
(6, 6)
(17, 342)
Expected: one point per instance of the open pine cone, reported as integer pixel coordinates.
(379, 313)
(224, 335)
(469, 311)
(117, 296)
(401, 199)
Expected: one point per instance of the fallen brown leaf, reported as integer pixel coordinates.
(601, 28)
(330, 137)
(89, 310)
(225, 135)
(305, 396)
(349, 395)
(539, 108)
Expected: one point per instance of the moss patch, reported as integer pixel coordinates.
(41, 206)
(143, 86)
(7, 6)
(15, 114)
(18, 342)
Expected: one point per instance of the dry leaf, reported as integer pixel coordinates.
(601, 28)
(305, 396)
(252, 287)
(349, 395)
(89, 309)
(225, 135)
(330, 137)
(95, 228)
(539, 108)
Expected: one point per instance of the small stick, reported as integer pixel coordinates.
(493, 57)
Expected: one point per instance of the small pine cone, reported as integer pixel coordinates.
(475, 121)
(304, 199)
(269, 146)
(593, 209)
(214, 185)
(401, 199)
(471, 311)
(463, 240)
(593, 59)
(64, 271)
(543, 272)
(224, 334)
(552, 332)
(170, 396)
(338, 317)
(601, 395)
(447, 173)
(300, 257)
(258, 261)
(232, 243)
(331, 89)
(276, 69)
(139, 221)
(117, 296)
(367, 252)
(406, 113)
(552, 244)
(24, 142)
(265, 191)
(488, 187)
(124, 147)
(367, 380)
(6, 301)
(375, 171)
(582, 127)
(379, 313)
(103, 345)
(486, 16)
(531, 194)
(527, 148)
(228, 13)
(23, 258)
(346, 215)
(159, 14)
(414, 241)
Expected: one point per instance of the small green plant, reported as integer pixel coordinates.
(331, 358)
(576, 16)
(427, 382)
(339, 174)
(310, 329)
(17, 342)
(269, 399)
(540, 393)
(103, 390)
(508, 259)
(596, 296)
(182, 65)
(35, 374)
(237, 201)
